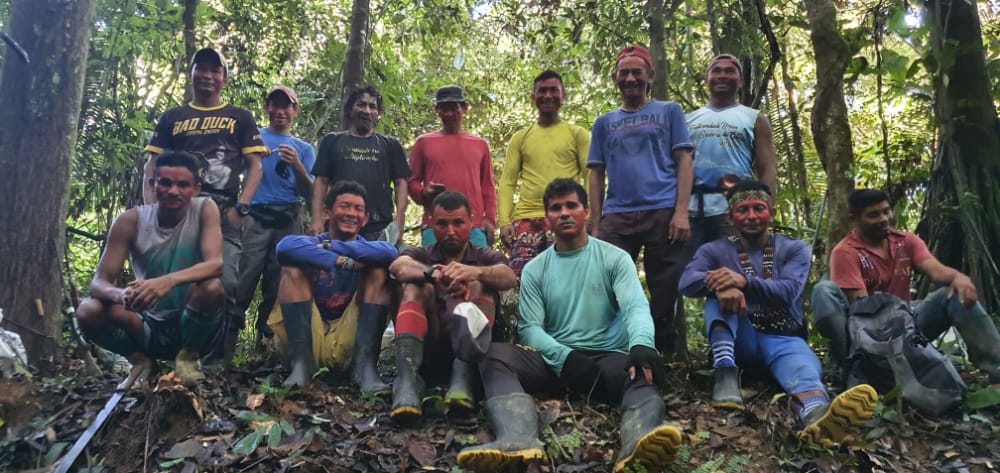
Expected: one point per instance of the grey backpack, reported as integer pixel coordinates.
(886, 350)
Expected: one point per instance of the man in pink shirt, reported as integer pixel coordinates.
(455, 160)
(875, 257)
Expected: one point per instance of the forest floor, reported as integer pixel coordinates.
(244, 421)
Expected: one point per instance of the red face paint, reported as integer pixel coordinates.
(451, 227)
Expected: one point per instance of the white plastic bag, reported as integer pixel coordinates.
(13, 358)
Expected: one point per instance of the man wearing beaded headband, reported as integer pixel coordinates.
(753, 283)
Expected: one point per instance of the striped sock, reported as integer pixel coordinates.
(723, 346)
(810, 403)
(411, 320)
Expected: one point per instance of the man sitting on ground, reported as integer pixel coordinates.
(172, 308)
(450, 290)
(318, 318)
(753, 282)
(875, 257)
(585, 325)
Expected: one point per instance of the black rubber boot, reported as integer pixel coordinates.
(367, 345)
(515, 424)
(645, 439)
(298, 325)
(459, 397)
(726, 392)
(981, 340)
(408, 386)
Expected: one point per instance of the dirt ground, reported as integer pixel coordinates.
(243, 421)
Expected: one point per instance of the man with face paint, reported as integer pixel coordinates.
(733, 142)
(226, 137)
(644, 150)
(537, 154)
(449, 295)
(753, 283)
(596, 342)
(173, 307)
(875, 257)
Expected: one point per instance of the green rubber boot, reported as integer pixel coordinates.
(459, 398)
(841, 420)
(726, 392)
(298, 325)
(408, 386)
(367, 345)
(515, 423)
(645, 439)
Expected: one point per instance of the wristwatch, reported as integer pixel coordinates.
(242, 209)
(429, 274)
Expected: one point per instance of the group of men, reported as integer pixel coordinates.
(681, 188)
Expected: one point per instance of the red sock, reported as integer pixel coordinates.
(411, 320)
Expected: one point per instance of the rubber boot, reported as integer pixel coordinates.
(726, 392)
(367, 345)
(459, 398)
(197, 328)
(980, 336)
(298, 325)
(841, 420)
(515, 423)
(645, 439)
(409, 386)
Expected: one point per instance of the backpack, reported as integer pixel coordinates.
(886, 350)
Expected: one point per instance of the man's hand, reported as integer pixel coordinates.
(233, 218)
(431, 191)
(142, 294)
(316, 226)
(966, 290)
(490, 229)
(507, 235)
(724, 278)
(680, 226)
(732, 301)
(595, 227)
(456, 276)
(289, 155)
(649, 361)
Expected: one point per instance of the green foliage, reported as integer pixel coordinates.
(263, 427)
(986, 397)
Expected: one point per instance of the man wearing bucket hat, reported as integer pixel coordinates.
(227, 139)
(455, 160)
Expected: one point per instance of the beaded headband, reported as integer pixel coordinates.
(751, 194)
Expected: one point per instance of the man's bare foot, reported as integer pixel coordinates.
(186, 366)
(142, 367)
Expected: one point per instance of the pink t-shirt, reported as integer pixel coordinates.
(463, 163)
(854, 266)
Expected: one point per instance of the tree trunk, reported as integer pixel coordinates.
(190, 45)
(798, 175)
(657, 48)
(963, 201)
(39, 111)
(354, 62)
(830, 126)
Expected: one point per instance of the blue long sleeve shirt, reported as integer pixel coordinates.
(589, 298)
(784, 288)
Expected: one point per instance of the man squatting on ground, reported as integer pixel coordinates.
(585, 325)
(274, 210)
(875, 257)
(645, 149)
(319, 317)
(374, 160)
(172, 309)
(733, 142)
(537, 154)
(449, 294)
(753, 283)
(227, 138)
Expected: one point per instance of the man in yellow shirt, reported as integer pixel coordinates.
(537, 154)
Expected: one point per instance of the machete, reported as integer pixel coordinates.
(81, 443)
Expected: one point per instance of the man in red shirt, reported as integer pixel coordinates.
(875, 257)
(455, 160)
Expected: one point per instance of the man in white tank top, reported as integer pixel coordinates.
(172, 308)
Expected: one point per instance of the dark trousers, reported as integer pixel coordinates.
(510, 369)
(663, 262)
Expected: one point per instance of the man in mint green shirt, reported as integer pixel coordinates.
(585, 326)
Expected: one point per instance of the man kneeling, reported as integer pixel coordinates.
(585, 325)
(316, 319)
(753, 282)
(172, 309)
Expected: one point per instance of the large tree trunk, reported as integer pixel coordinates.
(354, 62)
(190, 45)
(963, 201)
(830, 126)
(39, 111)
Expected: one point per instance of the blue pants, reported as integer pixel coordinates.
(789, 358)
(477, 237)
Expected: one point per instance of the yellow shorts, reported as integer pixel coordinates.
(332, 341)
